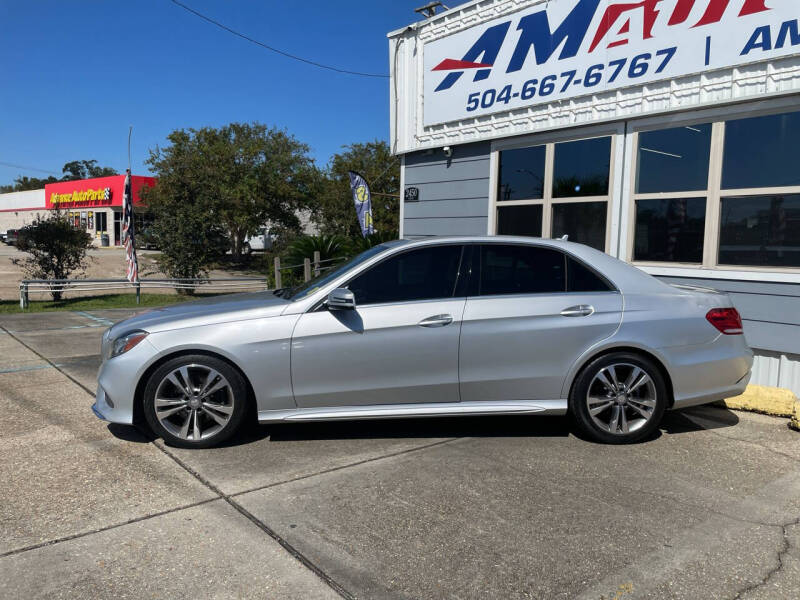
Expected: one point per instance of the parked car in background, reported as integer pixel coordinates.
(145, 240)
(2, 236)
(438, 327)
(11, 237)
(260, 241)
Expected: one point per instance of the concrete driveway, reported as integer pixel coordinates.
(440, 508)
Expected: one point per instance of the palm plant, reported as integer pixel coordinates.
(328, 246)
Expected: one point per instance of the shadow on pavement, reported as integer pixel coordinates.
(443, 427)
(713, 418)
(130, 433)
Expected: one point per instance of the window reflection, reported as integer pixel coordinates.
(521, 174)
(670, 230)
(673, 160)
(761, 152)
(583, 222)
(520, 220)
(581, 168)
(760, 230)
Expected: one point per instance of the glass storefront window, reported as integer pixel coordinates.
(761, 152)
(520, 220)
(670, 230)
(673, 160)
(521, 174)
(583, 222)
(581, 168)
(760, 231)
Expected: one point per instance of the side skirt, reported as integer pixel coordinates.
(401, 411)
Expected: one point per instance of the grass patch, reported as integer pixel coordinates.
(98, 302)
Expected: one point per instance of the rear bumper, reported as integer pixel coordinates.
(709, 372)
(714, 395)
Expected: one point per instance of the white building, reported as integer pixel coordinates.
(661, 131)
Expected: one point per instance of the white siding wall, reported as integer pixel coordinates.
(22, 200)
(777, 370)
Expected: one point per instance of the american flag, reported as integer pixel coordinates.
(127, 232)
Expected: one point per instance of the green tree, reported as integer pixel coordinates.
(85, 169)
(243, 175)
(56, 249)
(187, 232)
(23, 183)
(333, 210)
(73, 170)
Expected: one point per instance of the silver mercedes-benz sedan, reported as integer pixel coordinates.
(438, 327)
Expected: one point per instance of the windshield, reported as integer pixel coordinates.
(309, 287)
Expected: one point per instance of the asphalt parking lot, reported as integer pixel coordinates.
(440, 508)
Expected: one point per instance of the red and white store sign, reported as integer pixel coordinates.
(93, 193)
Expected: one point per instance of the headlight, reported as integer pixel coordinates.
(124, 343)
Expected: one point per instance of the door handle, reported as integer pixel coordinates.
(436, 321)
(579, 310)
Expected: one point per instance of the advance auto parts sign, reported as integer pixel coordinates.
(81, 197)
(567, 48)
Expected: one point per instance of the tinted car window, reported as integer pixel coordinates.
(424, 274)
(582, 279)
(507, 269)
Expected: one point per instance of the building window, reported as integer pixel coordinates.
(522, 174)
(581, 168)
(761, 152)
(725, 193)
(520, 220)
(760, 231)
(673, 160)
(670, 230)
(556, 189)
(581, 221)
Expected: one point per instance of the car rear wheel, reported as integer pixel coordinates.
(195, 401)
(619, 398)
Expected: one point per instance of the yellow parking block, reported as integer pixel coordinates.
(778, 402)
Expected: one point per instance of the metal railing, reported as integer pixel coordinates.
(310, 266)
(33, 286)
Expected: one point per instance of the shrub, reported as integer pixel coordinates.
(56, 249)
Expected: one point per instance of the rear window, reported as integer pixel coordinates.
(581, 278)
(507, 269)
(521, 269)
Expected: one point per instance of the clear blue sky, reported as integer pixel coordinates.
(74, 75)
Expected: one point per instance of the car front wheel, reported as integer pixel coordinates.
(195, 401)
(619, 398)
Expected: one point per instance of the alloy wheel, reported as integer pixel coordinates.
(194, 402)
(621, 398)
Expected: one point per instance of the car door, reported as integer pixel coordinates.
(399, 345)
(532, 311)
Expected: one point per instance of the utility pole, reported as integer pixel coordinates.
(429, 10)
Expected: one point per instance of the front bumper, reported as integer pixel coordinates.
(117, 381)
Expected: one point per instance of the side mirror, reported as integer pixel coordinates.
(341, 299)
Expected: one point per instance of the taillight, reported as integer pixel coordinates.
(726, 320)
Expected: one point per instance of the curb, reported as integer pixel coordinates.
(777, 402)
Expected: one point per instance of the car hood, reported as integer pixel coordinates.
(209, 311)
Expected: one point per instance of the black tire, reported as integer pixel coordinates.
(232, 399)
(247, 249)
(629, 406)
